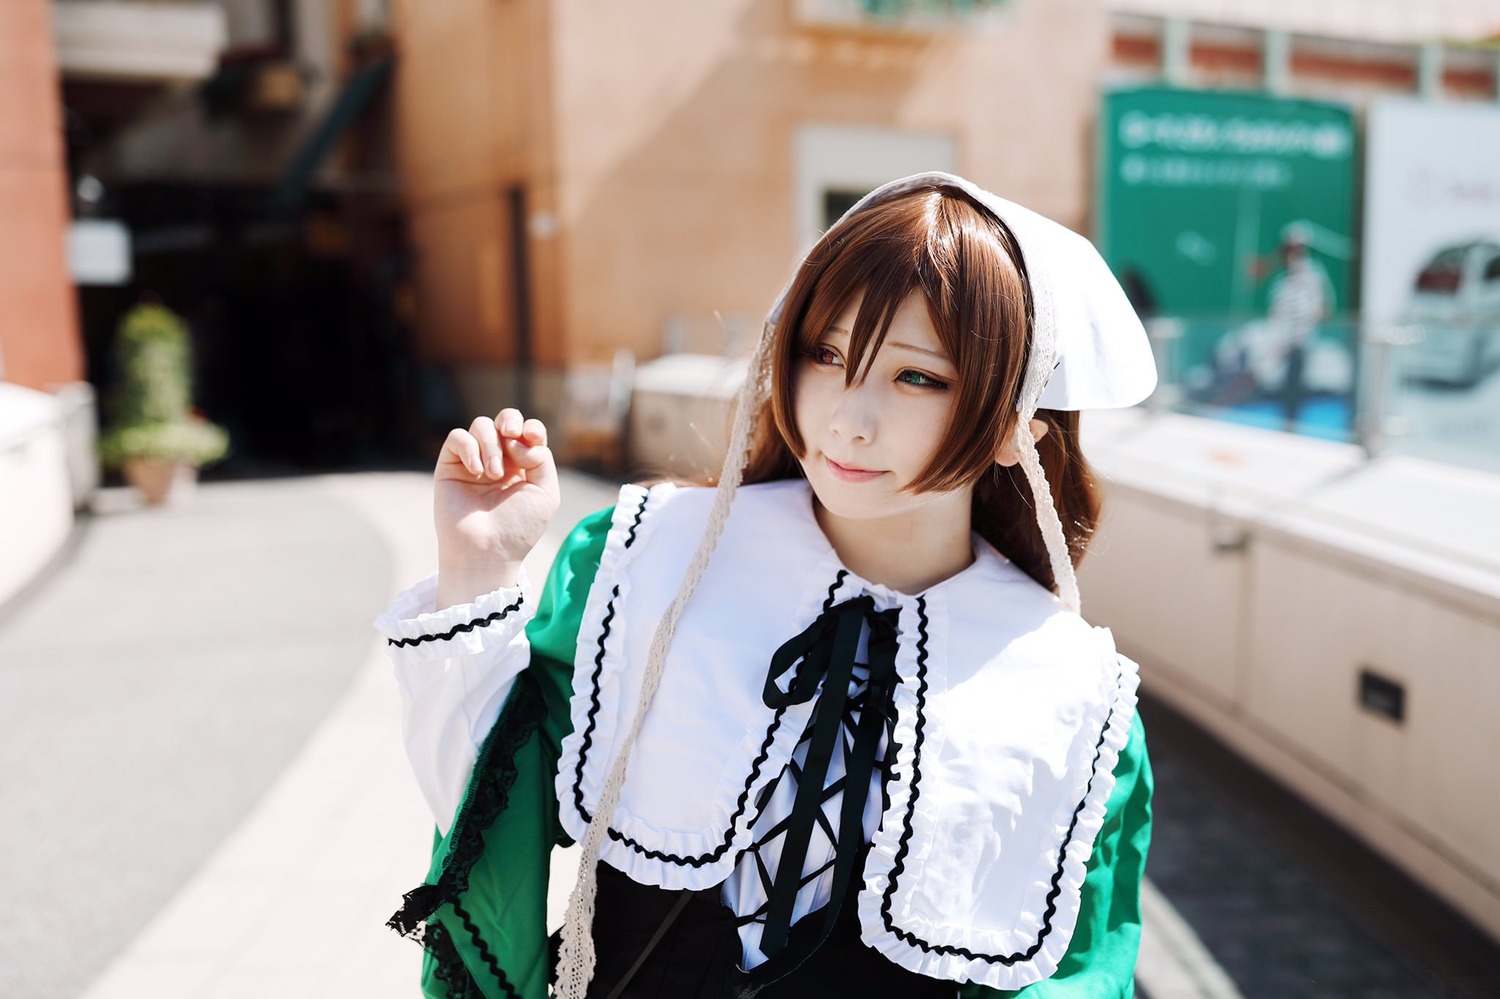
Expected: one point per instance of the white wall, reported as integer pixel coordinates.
(36, 487)
(1256, 575)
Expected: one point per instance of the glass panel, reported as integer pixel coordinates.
(1433, 393)
(1445, 396)
(897, 8)
(1251, 372)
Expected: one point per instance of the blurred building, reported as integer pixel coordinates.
(559, 181)
(579, 178)
(1343, 51)
(39, 348)
(229, 158)
(38, 339)
(381, 216)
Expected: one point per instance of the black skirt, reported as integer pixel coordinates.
(699, 954)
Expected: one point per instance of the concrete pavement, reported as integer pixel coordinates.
(151, 689)
(204, 790)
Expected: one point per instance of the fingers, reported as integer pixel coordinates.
(461, 447)
(525, 445)
(524, 456)
(486, 433)
(509, 422)
(503, 449)
(537, 464)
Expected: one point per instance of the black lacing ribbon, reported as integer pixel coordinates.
(825, 654)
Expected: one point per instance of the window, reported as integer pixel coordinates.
(1492, 269)
(837, 201)
(1443, 272)
(835, 165)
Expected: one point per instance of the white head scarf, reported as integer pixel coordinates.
(1088, 351)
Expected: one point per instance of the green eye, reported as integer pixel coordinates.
(920, 379)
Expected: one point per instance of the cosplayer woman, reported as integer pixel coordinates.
(846, 726)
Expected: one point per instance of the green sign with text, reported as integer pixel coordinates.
(1199, 189)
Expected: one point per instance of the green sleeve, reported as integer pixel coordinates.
(481, 915)
(553, 632)
(1100, 961)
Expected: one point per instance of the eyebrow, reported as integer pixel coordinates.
(941, 355)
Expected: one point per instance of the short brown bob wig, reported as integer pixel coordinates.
(969, 270)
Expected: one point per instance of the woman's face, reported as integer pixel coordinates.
(865, 443)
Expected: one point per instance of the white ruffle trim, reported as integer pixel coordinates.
(416, 632)
(932, 927)
(580, 784)
(986, 957)
(454, 667)
(693, 858)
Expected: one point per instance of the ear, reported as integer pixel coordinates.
(1007, 454)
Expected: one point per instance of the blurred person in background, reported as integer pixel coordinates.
(872, 746)
(1301, 297)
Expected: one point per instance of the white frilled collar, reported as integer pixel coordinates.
(1010, 715)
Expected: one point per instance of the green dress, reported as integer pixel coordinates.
(481, 914)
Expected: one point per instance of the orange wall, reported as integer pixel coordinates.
(676, 131)
(39, 343)
(464, 265)
(655, 141)
(472, 104)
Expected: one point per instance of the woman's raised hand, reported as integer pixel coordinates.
(494, 493)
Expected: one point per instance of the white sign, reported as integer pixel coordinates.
(98, 251)
(1432, 184)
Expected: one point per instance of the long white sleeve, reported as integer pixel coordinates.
(455, 668)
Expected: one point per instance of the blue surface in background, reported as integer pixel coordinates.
(1326, 418)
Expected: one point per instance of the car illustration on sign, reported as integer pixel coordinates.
(1455, 299)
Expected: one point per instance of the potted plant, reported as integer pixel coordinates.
(157, 439)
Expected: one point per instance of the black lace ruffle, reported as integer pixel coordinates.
(448, 968)
(488, 796)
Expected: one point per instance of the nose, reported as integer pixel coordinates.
(856, 413)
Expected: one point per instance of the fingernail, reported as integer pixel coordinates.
(496, 466)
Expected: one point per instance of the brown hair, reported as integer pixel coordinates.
(969, 269)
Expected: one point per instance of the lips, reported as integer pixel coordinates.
(850, 473)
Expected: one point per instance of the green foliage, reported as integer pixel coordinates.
(194, 441)
(153, 408)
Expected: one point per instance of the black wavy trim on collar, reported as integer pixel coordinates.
(911, 939)
(487, 797)
(755, 767)
(593, 714)
(478, 622)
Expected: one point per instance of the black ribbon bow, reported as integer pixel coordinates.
(825, 654)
